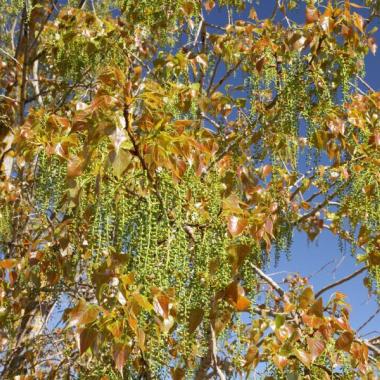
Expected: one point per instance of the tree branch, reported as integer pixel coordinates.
(339, 282)
(269, 280)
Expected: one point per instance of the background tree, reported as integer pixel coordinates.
(151, 160)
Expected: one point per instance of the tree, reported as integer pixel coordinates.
(151, 161)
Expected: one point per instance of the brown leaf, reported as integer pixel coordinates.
(177, 373)
(195, 318)
(87, 338)
(120, 355)
(74, 167)
(251, 356)
(344, 341)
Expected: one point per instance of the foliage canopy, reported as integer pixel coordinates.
(152, 159)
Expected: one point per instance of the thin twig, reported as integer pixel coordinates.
(269, 280)
(368, 320)
(226, 75)
(341, 281)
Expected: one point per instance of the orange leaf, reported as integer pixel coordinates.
(311, 15)
(209, 5)
(8, 263)
(303, 357)
(280, 362)
(344, 341)
(242, 303)
(236, 225)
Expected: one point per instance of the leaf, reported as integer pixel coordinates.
(188, 8)
(116, 328)
(141, 339)
(120, 297)
(209, 5)
(312, 15)
(344, 341)
(242, 303)
(195, 319)
(280, 361)
(74, 167)
(253, 13)
(317, 308)
(120, 355)
(87, 337)
(120, 161)
(161, 305)
(316, 347)
(284, 332)
(83, 314)
(236, 225)
(143, 302)
(306, 298)
(303, 357)
(237, 255)
(279, 320)
(8, 263)
(251, 356)
(371, 42)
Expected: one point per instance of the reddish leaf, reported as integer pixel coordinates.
(120, 355)
(316, 347)
(161, 305)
